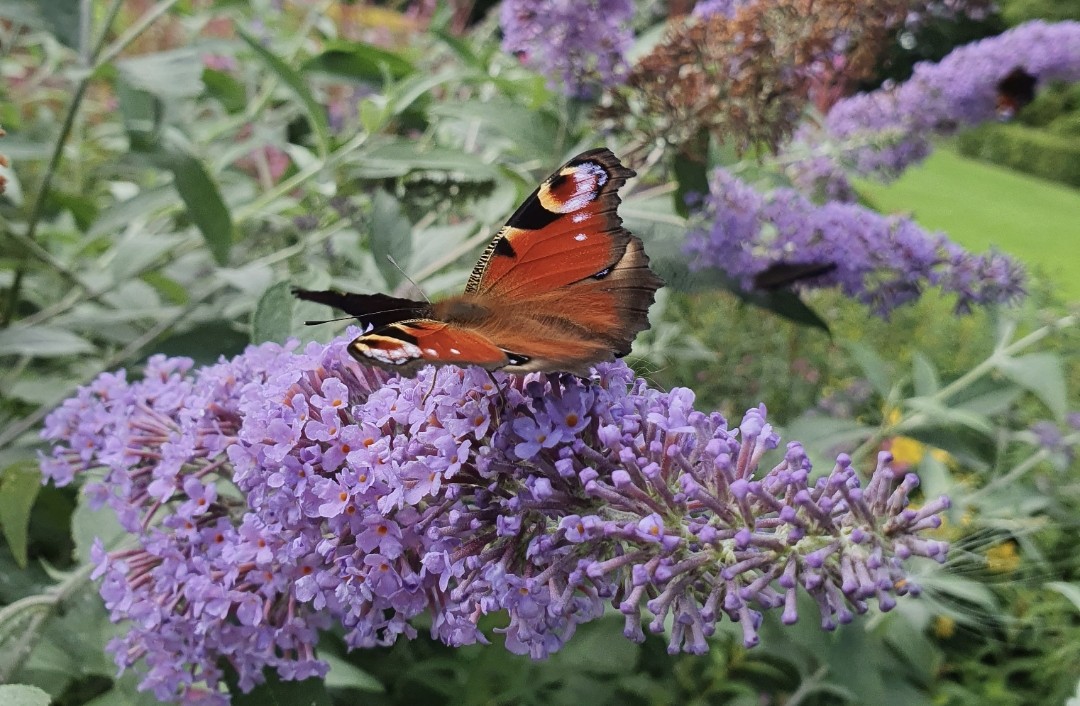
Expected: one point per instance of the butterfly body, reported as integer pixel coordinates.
(561, 287)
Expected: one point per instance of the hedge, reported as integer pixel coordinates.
(1030, 150)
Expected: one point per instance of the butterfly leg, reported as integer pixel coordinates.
(502, 398)
(434, 377)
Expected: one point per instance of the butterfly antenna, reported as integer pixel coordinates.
(327, 321)
(406, 276)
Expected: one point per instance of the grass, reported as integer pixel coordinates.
(979, 205)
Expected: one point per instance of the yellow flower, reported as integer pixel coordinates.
(906, 450)
(944, 627)
(1003, 559)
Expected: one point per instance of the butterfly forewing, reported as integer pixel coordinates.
(568, 230)
(373, 310)
(565, 251)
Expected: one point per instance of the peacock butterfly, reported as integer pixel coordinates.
(1014, 91)
(562, 286)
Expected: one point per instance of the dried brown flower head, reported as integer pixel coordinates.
(746, 79)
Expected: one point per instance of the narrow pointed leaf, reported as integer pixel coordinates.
(202, 200)
(316, 113)
(1042, 375)
(19, 485)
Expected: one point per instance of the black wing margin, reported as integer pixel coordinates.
(376, 310)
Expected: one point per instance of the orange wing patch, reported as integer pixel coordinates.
(565, 232)
(409, 344)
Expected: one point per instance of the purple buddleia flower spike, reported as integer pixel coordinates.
(580, 44)
(883, 261)
(883, 132)
(287, 492)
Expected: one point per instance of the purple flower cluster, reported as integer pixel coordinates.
(580, 43)
(883, 261)
(282, 493)
(883, 132)
(1060, 443)
(708, 8)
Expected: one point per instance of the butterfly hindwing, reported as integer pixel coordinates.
(407, 345)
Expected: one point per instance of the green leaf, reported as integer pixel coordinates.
(202, 199)
(942, 415)
(276, 692)
(361, 61)
(966, 444)
(273, 315)
(316, 113)
(399, 159)
(42, 342)
(143, 113)
(83, 209)
(23, 695)
(1070, 591)
(532, 133)
(19, 486)
(174, 73)
(346, 675)
(204, 343)
(227, 90)
(600, 651)
(995, 400)
(873, 367)
(60, 17)
(459, 46)
(1042, 375)
(691, 178)
(924, 375)
(391, 235)
(402, 95)
(142, 205)
(88, 525)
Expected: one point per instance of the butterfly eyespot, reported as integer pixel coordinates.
(602, 273)
(580, 236)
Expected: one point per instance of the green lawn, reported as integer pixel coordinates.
(979, 205)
